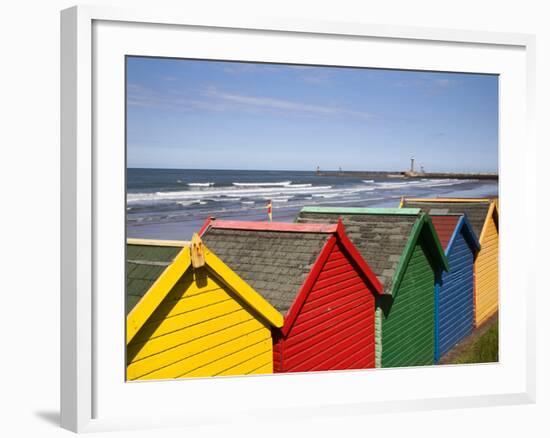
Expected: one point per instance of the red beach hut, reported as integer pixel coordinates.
(316, 278)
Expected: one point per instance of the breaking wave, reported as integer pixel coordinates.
(206, 184)
(263, 184)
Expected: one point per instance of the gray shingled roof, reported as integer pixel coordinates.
(144, 264)
(274, 263)
(475, 211)
(380, 238)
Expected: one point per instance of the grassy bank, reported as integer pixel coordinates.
(480, 347)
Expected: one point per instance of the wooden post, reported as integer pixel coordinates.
(197, 251)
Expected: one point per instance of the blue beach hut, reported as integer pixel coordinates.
(454, 297)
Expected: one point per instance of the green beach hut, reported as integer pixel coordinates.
(402, 248)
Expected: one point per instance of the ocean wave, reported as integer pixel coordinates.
(231, 199)
(206, 184)
(298, 186)
(327, 195)
(368, 181)
(423, 183)
(262, 184)
(397, 183)
(249, 195)
(360, 189)
(259, 207)
(191, 202)
(230, 193)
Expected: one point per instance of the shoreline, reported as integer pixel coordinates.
(183, 229)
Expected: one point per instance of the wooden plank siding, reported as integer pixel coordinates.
(456, 296)
(486, 274)
(482, 215)
(277, 337)
(408, 322)
(334, 329)
(200, 329)
(404, 251)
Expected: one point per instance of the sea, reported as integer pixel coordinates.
(173, 204)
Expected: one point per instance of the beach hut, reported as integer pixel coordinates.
(454, 318)
(317, 279)
(483, 216)
(403, 249)
(189, 315)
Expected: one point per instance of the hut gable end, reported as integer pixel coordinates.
(196, 321)
(454, 297)
(486, 271)
(408, 323)
(454, 312)
(334, 328)
(201, 328)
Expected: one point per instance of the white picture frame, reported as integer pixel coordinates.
(92, 387)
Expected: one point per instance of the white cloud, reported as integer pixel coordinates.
(262, 102)
(212, 99)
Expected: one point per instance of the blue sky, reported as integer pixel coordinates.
(227, 115)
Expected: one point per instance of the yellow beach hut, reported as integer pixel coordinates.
(483, 216)
(189, 315)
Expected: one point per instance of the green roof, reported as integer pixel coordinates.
(144, 264)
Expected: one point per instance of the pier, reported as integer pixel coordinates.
(451, 175)
(410, 174)
(405, 175)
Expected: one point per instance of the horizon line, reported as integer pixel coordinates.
(315, 170)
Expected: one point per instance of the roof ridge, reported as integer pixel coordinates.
(148, 262)
(457, 200)
(274, 226)
(363, 210)
(157, 242)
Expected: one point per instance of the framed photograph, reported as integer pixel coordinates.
(336, 215)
